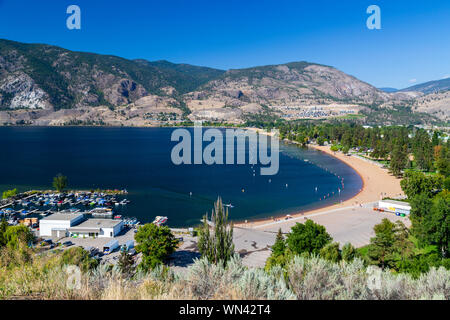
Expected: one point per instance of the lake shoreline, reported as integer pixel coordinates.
(252, 213)
(377, 183)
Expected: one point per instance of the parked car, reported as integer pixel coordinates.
(46, 242)
(67, 244)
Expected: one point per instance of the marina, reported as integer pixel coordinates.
(39, 205)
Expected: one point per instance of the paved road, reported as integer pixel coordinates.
(253, 245)
(352, 224)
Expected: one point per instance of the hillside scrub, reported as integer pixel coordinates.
(304, 278)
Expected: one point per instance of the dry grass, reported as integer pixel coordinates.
(43, 277)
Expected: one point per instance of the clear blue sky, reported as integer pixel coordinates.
(413, 45)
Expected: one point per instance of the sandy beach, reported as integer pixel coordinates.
(377, 183)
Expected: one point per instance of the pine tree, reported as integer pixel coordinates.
(435, 139)
(279, 246)
(399, 160)
(218, 246)
(126, 263)
(331, 252)
(348, 252)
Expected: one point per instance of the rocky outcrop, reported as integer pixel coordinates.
(19, 91)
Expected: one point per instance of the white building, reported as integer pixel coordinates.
(398, 207)
(56, 225)
(99, 228)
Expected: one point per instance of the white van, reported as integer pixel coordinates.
(110, 246)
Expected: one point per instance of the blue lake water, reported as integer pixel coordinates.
(138, 159)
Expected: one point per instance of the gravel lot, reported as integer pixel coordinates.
(126, 235)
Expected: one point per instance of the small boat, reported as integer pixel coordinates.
(102, 215)
(160, 220)
(101, 212)
(124, 202)
(229, 205)
(118, 217)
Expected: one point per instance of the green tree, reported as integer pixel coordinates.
(334, 148)
(399, 160)
(348, 252)
(421, 263)
(438, 225)
(9, 193)
(331, 252)
(422, 150)
(390, 244)
(60, 182)
(320, 141)
(126, 263)
(3, 227)
(435, 139)
(447, 184)
(155, 243)
(443, 161)
(280, 245)
(420, 210)
(308, 237)
(345, 149)
(79, 257)
(379, 151)
(218, 246)
(381, 246)
(16, 236)
(280, 254)
(416, 183)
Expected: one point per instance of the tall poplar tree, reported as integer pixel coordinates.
(216, 240)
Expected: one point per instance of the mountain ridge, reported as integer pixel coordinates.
(433, 86)
(49, 85)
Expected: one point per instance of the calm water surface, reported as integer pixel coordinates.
(138, 159)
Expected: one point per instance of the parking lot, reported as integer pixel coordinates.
(98, 243)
